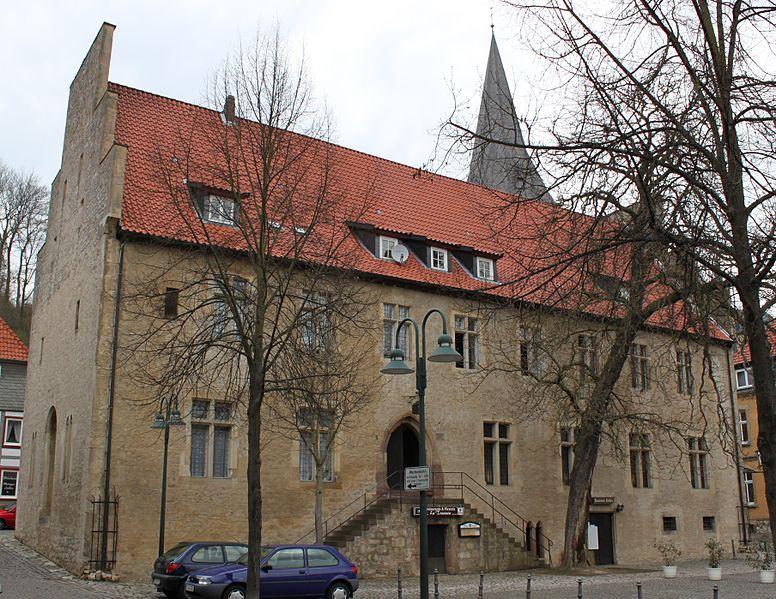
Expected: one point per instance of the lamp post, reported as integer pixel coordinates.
(445, 353)
(171, 417)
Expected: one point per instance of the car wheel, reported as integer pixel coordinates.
(234, 592)
(339, 590)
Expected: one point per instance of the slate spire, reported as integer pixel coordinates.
(506, 168)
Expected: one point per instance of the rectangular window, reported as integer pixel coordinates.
(503, 463)
(200, 409)
(493, 443)
(743, 426)
(640, 460)
(490, 448)
(699, 466)
(316, 329)
(467, 341)
(171, 302)
(568, 436)
(386, 245)
(639, 367)
(220, 210)
(588, 355)
(199, 439)
(744, 378)
(708, 523)
(393, 314)
(485, 270)
(684, 372)
(9, 480)
(221, 451)
(669, 524)
(307, 422)
(749, 487)
(222, 410)
(12, 435)
(438, 259)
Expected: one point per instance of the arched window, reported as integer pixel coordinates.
(539, 541)
(528, 531)
(51, 454)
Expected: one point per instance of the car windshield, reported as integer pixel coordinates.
(243, 559)
(175, 551)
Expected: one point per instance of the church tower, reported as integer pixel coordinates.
(496, 165)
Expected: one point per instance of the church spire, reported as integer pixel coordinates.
(498, 166)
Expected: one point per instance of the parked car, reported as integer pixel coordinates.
(8, 518)
(172, 568)
(285, 571)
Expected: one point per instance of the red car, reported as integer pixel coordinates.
(8, 518)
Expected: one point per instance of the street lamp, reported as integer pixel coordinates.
(171, 417)
(445, 353)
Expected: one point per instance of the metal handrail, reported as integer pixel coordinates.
(485, 499)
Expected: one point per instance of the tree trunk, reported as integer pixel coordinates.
(256, 389)
(319, 474)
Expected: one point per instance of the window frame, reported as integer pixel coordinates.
(497, 449)
(587, 354)
(383, 239)
(743, 427)
(567, 448)
(640, 454)
(750, 496)
(394, 319)
(749, 380)
(209, 421)
(324, 432)
(685, 382)
(639, 363)
(465, 338)
(220, 218)
(674, 524)
(480, 260)
(698, 450)
(6, 420)
(171, 302)
(445, 259)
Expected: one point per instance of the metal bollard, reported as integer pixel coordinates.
(436, 583)
(398, 582)
(638, 591)
(482, 577)
(528, 588)
(716, 591)
(579, 588)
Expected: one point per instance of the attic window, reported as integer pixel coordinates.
(438, 259)
(386, 245)
(219, 210)
(485, 270)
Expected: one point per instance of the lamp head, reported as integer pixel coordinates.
(445, 353)
(397, 365)
(175, 416)
(158, 421)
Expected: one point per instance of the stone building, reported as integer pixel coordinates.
(500, 498)
(748, 429)
(13, 375)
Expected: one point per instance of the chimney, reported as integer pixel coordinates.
(229, 117)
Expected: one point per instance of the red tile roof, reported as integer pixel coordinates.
(11, 347)
(743, 356)
(394, 198)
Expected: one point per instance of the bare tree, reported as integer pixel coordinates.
(259, 206)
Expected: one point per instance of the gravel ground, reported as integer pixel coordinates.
(24, 574)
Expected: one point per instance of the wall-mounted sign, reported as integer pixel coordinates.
(601, 500)
(469, 529)
(436, 511)
(417, 478)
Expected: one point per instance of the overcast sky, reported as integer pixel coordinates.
(385, 69)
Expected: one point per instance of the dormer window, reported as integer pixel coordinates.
(485, 270)
(300, 230)
(386, 245)
(219, 210)
(438, 259)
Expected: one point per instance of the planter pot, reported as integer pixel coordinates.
(714, 573)
(669, 571)
(767, 576)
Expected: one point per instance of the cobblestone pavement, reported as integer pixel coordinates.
(24, 574)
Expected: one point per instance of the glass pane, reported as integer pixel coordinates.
(565, 456)
(320, 558)
(489, 451)
(222, 411)
(460, 323)
(634, 468)
(210, 554)
(646, 481)
(404, 311)
(221, 451)
(472, 324)
(503, 431)
(487, 429)
(199, 409)
(473, 351)
(387, 337)
(199, 435)
(503, 463)
(285, 559)
(234, 552)
(305, 457)
(388, 310)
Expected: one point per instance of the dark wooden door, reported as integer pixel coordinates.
(605, 553)
(437, 535)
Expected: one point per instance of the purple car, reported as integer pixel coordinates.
(286, 571)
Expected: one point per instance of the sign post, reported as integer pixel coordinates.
(417, 478)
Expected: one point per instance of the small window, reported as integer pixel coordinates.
(438, 259)
(467, 341)
(487, 429)
(669, 524)
(749, 487)
(744, 377)
(210, 554)
(171, 302)
(743, 425)
(708, 523)
(12, 436)
(386, 245)
(200, 409)
(285, 559)
(220, 210)
(320, 558)
(485, 270)
(222, 411)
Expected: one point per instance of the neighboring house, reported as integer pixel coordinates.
(748, 429)
(109, 224)
(13, 377)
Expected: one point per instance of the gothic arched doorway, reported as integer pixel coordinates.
(403, 451)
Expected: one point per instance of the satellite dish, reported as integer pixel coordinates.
(400, 253)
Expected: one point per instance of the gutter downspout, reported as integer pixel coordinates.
(109, 424)
(737, 453)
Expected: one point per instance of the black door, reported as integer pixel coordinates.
(402, 452)
(605, 553)
(436, 547)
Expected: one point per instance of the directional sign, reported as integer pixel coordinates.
(417, 478)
